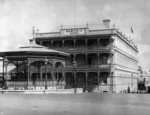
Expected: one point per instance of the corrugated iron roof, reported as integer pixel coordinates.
(34, 48)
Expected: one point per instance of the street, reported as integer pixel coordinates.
(74, 104)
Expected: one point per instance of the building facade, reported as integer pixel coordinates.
(105, 59)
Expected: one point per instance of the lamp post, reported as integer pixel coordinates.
(75, 67)
(132, 82)
(28, 65)
(56, 69)
(46, 62)
(5, 64)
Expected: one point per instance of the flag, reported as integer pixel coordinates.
(132, 30)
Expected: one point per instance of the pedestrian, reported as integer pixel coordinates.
(128, 89)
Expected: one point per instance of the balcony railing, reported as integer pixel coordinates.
(17, 83)
(40, 83)
(92, 66)
(81, 66)
(100, 66)
(84, 66)
(83, 48)
(104, 66)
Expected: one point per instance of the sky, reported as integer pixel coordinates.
(17, 17)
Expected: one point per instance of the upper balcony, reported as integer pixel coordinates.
(95, 44)
(102, 61)
(102, 67)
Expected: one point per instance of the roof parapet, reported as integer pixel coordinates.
(128, 39)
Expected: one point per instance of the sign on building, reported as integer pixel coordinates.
(77, 31)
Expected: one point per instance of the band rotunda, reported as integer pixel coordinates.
(97, 58)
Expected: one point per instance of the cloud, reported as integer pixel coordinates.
(145, 34)
(107, 8)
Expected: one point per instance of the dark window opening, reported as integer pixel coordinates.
(89, 61)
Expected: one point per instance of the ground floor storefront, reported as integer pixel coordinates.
(89, 81)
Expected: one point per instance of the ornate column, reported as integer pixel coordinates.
(17, 68)
(74, 41)
(86, 43)
(98, 42)
(28, 65)
(63, 44)
(46, 62)
(53, 76)
(98, 79)
(38, 70)
(6, 62)
(98, 71)
(49, 44)
(41, 74)
(86, 74)
(52, 43)
(86, 61)
(64, 78)
(75, 78)
(3, 73)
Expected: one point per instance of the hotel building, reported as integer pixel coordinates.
(102, 58)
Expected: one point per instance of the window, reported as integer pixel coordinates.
(89, 61)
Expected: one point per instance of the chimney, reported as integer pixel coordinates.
(106, 22)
